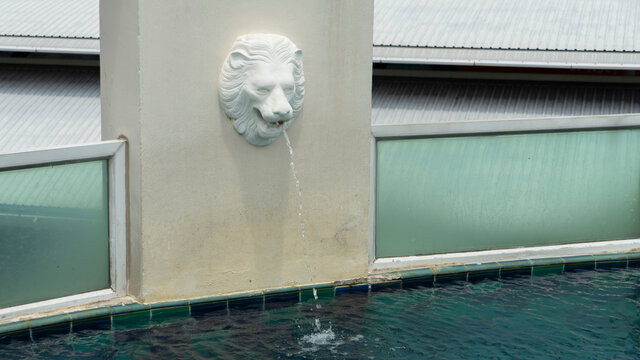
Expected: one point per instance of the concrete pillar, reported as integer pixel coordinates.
(209, 213)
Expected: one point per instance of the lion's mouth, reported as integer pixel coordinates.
(271, 127)
(275, 124)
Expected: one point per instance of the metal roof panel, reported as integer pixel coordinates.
(42, 107)
(422, 100)
(585, 25)
(50, 18)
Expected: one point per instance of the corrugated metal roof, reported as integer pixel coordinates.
(415, 101)
(533, 33)
(582, 25)
(50, 18)
(42, 107)
(62, 26)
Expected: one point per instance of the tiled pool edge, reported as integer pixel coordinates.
(104, 318)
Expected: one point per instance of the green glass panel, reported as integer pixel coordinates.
(53, 232)
(440, 195)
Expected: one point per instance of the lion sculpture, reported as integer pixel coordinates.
(261, 86)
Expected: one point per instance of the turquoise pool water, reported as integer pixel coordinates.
(581, 314)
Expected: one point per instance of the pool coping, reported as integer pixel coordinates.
(109, 317)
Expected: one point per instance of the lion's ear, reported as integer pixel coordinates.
(298, 55)
(237, 58)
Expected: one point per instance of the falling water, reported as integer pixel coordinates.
(295, 177)
(319, 336)
(303, 231)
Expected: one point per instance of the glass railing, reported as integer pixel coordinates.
(54, 234)
(62, 227)
(472, 193)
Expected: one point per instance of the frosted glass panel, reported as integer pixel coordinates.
(53, 232)
(440, 195)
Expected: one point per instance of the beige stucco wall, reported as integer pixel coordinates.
(209, 213)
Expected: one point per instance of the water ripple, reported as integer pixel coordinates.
(583, 314)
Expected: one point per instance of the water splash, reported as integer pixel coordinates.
(303, 231)
(321, 337)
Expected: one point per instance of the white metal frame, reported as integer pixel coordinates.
(380, 132)
(114, 152)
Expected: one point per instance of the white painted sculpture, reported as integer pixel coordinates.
(261, 86)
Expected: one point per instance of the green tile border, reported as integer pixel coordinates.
(386, 285)
(50, 321)
(451, 273)
(318, 286)
(19, 326)
(417, 273)
(206, 300)
(377, 282)
(275, 298)
(453, 269)
(580, 262)
(90, 314)
(129, 308)
(168, 304)
(515, 265)
(547, 270)
(611, 257)
(160, 314)
(548, 262)
(491, 266)
(287, 290)
(611, 260)
(353, 288)
(121, 320)
(245, 295)
(579, 259)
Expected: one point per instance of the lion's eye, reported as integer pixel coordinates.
(263, 91)
(287, 90)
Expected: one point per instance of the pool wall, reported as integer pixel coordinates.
(209, 213)
(142, 315)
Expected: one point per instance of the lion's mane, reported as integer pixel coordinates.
(256, 48)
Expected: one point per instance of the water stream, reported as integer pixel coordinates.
(303, 232)
(318, 336)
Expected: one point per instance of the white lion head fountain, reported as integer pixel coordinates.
(261, 86)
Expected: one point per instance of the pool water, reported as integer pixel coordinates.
(582, 314)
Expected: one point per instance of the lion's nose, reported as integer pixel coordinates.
(282, 111)
(282, 107)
